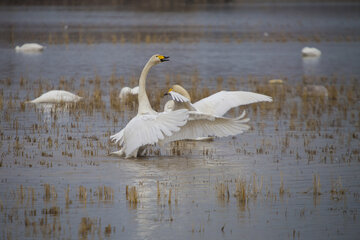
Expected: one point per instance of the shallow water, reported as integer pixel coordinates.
(48, 149)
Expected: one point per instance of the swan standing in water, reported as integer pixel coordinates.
(30, 47)
(57, 96)
(148, 126)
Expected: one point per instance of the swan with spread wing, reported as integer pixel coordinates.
(148, 126)
(216, 104)
(207, 114)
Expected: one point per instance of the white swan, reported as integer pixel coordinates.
(30, 47)
(57, 96)
(206, 116)
(216, 105)
(148, 126)
(315, 91)
(310, 52)
(126, 93)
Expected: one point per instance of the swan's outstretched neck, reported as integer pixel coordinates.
(144, 104)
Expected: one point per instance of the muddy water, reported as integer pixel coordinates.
(293, 175)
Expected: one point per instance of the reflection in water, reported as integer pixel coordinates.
(311, 65)
(29, 53)
(53, 112)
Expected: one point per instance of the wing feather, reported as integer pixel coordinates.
(178, 97)
(181, 101)
(149, 129)
(205, 125)
(221, 102)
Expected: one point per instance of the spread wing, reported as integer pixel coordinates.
(178, 97)
(149, 129)
(127, 93)
(221, 102)
(204, 125)
(181, 101)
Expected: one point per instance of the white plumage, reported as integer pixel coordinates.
(200, 126)
(310, 52)
(57, 96)
(181, 119)
(30, 47)
(217, 104)
(221, 102)
(127, 93)
(206, 116)
(148, 126)
(147, 129)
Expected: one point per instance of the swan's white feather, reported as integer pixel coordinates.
(205, 125)
(146, 129)
(178, 97)
(126, 93)
(57, 96)
(310, 52)
(29, 47)
(221, 102)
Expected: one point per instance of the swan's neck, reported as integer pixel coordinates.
(144, 104)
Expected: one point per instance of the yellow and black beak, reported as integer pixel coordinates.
(163, 58)
(168, 93)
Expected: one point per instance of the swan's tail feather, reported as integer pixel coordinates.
(118, 137)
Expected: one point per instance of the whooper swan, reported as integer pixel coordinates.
(57, 96)
(148, 126)
(310, 52)
(126, 93)
(29, 47)
(206, 116)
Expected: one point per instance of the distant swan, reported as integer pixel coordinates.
(57, 96)
(310, 52)
(126, 93)
(315, 91)
(30, 47)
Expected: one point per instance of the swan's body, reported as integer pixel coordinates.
(217, 104)
(148, 126)
(315, 91)
(206, 116)
(126, 93)
(29, 47)
(310, 52)
(57, 96)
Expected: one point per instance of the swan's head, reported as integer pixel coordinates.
(179, 89)
(158, 58)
